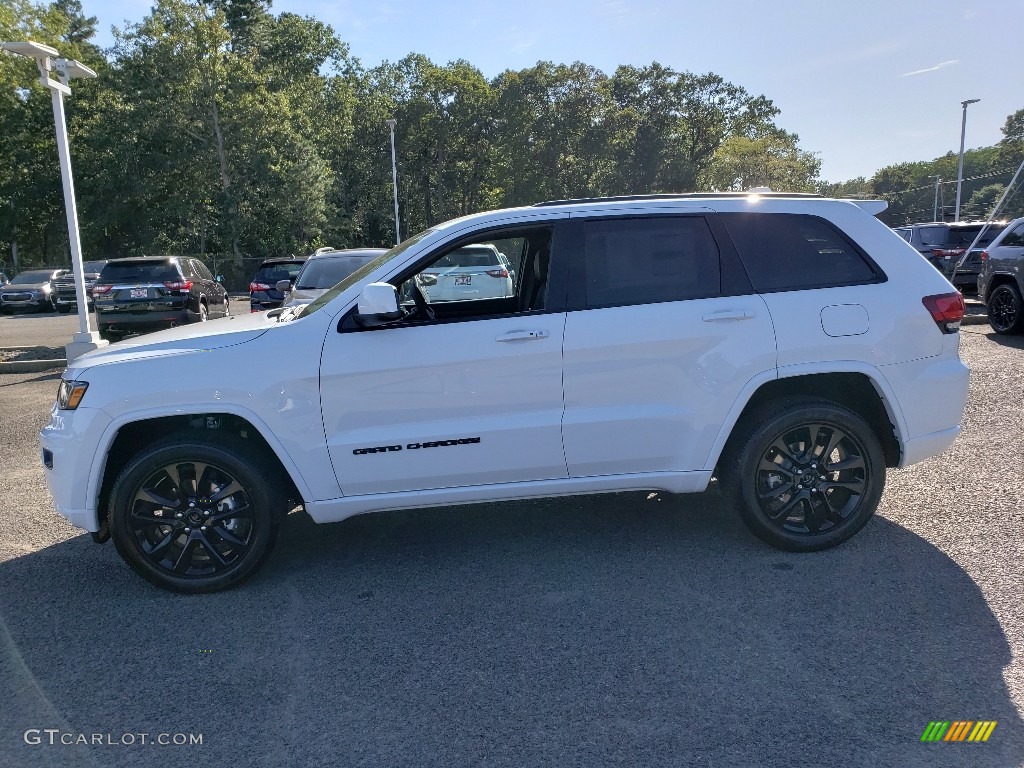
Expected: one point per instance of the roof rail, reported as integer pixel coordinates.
(671, 196)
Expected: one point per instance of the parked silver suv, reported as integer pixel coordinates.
(1000, 280)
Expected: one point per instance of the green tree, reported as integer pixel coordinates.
(773, 160)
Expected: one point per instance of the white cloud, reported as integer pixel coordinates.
(938, 66)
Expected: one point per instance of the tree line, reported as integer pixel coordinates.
(219, 129)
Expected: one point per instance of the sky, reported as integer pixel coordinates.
(865, 84)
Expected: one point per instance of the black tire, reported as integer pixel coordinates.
(791, 493)
(63, 308)
(194, 539)
(1005, 307)
(204, 313)
(109, 336)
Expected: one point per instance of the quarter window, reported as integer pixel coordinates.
(650, 260)
(786, 252)
(1015, 238)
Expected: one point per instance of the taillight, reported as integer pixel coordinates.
(253, 287)
(98, 290)
(180, 285)
(984, 255)
(947, 310)
(498, 272)
(947, 253)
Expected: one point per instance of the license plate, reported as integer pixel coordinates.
(463, 279)
(139, 293)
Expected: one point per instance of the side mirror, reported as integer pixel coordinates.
(283, 286)
(378, 305)
(219, 278)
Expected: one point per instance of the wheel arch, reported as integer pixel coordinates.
(858, 388)
(130, 433)
(999, 278)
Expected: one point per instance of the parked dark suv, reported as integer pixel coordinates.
(943, 243)
(155, 292)
(1001, 280)
(263, 293)
(64, 298)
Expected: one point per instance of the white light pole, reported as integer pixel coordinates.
(960, 168)
(86, 339)
(394, 177)
(935, 212)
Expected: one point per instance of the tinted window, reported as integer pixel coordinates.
(271, 273)
(794, 251)
(906, 234)
(139, 272)
(92, 266)
(934, 235)
(324, 272)
(202, 269)
(648, 260)
(1015, 238)
(961, 237)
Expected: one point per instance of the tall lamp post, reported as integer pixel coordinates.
(960, 167)
(394, 177)
(87, 338)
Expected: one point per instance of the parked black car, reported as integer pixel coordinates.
(64, 298)
(1001, 280)
(943, 243)
(263, 293)
(31, 290)
(155, 292)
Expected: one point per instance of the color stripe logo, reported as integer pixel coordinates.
(958, 730)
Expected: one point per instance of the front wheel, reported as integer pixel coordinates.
(1005, 313)
(194, 514)
(808, 474)
(63, 308)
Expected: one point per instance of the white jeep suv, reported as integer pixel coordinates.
(791, 346)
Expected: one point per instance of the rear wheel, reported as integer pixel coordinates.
(204, 313)
(1005, 313)
(63, 308)
(109, 336)
(194, 514)
(806, 473)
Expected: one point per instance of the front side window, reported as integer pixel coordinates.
(499, 273)
(650, 260)
(786, 252)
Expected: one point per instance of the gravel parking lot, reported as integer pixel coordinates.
(631, 629)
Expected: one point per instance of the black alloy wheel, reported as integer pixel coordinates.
(1004, 310)
(196, 515)
(808, 476)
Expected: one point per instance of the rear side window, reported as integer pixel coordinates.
(650, 260)
(140, 272)
(787, 252)
(905, 233)
(1014, 238)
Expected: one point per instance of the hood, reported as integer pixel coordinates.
(12, 288)
(195, 337)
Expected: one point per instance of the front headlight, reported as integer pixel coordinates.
(70, 394)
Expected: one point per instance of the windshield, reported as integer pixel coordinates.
(961, 237)
(28, 278)
(323, 272)
(359, 274)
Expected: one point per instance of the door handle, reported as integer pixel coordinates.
(728, 314)
(522, 335)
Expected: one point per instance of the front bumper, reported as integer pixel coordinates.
(69, 445)
(35, 303)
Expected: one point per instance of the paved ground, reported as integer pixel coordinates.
(48, 330)
(616, 630)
